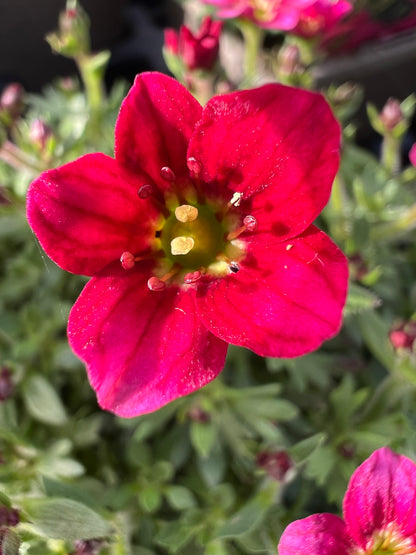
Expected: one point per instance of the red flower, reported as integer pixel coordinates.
(379, 514)
(321, 16)
(269, 14)
(199, 51)
(211, 212)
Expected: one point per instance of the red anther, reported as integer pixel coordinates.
(146, 191)
(194, 165)
(191, 277)
(155, 284)
(167, 174)
(127, 260)
(250, 223)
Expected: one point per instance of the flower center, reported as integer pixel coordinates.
(192, 237)
(388, 542)
(264, 10)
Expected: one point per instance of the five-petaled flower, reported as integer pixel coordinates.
(197, 234)
(269, 14)
(379, 514)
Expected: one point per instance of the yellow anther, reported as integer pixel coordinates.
(186, 213)
(181, 245)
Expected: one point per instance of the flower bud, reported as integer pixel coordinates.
(87, 547)
(391, 114)
(289, 59)
(196, 51)
(276, 464)
(72, 38)
(402, 336)
(6, 384)
(39, 133)
(11, 100)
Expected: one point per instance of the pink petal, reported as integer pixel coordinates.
(286, 299)
(155, 123)
(320, 534)
(87, 212)
(381, 495)
(276, 145)
(412, 155)
(142, 348)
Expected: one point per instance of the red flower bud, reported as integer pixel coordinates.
(199, 50)
(402, 336)
(276, 464)
(391, 114)
(12, 99)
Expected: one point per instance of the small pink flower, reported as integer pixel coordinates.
(199, 50)
(269, 14)
(379, 514)
(197, 234)
(321, 16)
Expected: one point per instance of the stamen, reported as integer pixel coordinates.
(127, 260)
(186, 213)
(234, 267)
(167, 174)
(235, 201)
(194, 165)
(181, 245)
(146, 191)
(249, 224)
(156, 284)
(191, 277)
(150, 192)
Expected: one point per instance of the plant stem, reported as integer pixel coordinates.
(253, 40)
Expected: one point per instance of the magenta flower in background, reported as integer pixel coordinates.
(199, 50)
(321, 16)
(269, 14)
(197, 234)
(379, 514)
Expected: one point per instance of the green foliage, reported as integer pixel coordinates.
(188, 479)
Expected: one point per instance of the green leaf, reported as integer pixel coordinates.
(42, 401)
(375, 333)
(180, 498)
(203, 436)
(249, 517)
(65, 519)
(304, 449)
(150, 498)
(360, 299)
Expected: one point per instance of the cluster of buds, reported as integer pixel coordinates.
(72, 39)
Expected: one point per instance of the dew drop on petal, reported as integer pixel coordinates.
(155, 284)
